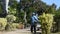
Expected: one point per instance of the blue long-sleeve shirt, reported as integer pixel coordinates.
(34, 19)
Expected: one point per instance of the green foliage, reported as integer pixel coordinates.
(31, 9)
(57, 16)
(57, 19)
(3, 23)
(46, 22)
(51, 10)
(14, 5)
(21, 13)
(12, 10)
(15, 25)
(57, 12)
(28, 6)
(10, 18)
(20, 16)
(12, 26)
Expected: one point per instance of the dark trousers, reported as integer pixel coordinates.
(33, 28)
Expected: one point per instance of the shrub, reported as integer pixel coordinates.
(3, 23)
(12, 26)
(15, 25)
(46, 22)
(10, 18)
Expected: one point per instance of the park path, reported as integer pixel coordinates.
(18, 31)
(21, 31)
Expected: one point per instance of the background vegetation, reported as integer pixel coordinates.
(23, 10)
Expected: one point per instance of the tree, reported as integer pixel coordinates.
(57, 19)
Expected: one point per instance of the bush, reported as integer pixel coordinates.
(3, 23)
(10, 18)
(15, 25)
(12, 26)
(46, 22)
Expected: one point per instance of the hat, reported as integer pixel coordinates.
(33, 13)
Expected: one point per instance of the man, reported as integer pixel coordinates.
(34, 20)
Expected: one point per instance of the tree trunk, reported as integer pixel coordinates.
(5, 5)
(25, 20)
(7, 2)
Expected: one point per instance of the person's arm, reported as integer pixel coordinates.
(36, 18)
